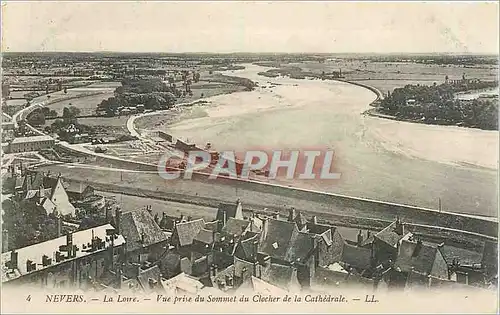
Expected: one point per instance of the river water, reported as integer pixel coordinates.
(381, 159)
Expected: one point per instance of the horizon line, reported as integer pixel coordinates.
(262, 52)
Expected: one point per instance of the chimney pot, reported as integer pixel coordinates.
(315, 219)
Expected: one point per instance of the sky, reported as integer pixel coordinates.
(322, 27)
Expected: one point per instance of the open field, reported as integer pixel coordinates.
(389, 75)
(104, 84)
(86, 104)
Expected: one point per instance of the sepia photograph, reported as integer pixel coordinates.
(279, 157)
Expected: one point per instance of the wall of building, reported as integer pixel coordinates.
(30, 146)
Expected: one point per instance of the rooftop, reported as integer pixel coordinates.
(35, 252)
(31, 139)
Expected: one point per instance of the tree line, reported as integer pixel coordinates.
(437, 104)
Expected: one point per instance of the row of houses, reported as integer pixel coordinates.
(140, 251)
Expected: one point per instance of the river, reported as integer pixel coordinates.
(381, 159)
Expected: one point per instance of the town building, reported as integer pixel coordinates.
(33, 143)
(71, 261)
(42, 190)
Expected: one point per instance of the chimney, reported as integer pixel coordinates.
(276, 215)
(360, 238)
(213, 270)
(138, 269)
(108, 215)
(399, 226)
(118, 215)
(315, 220)
(69, 239)
(267, 261)
(291, 214)
(40, 193)
(59, 226)
(13, 259)
(255, 249)
(5, 240)
(417, 249)
(265, 225)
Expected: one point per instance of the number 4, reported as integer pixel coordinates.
(28, 298)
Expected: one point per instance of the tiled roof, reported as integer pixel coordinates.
(300, 220)
(33, 180)
(325, 277)
(416, 278)
(205, 236)
(369, 240)
(167, 222)
(171, 260)
(144, 277)
(301, 248)
(212, 226)
(187, 231)
(323, 230)
(410, 256)
(390, 235)
(242, 266)
(277, 237)
(283, 241)
(139, 224)
(75, 187)
(235, 227)
(280, 276)
(229, 208)
(357, 257)
(248, 244)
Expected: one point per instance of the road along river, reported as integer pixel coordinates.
(380, 159)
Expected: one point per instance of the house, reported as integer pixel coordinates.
(356, 257)
(330, 242)
(298, 218)
(385, 243)
(228, 210)
(335, 276)
(284, 244)
(132, 278)
(282, 276)
(184, 233)
(46, 192)
(33, 143)
(67, 261)
(276, 238)
(145, 240)
(236, 227)
(417, 260)
(78, 191)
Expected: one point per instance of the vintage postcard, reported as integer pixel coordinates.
(249, 157)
